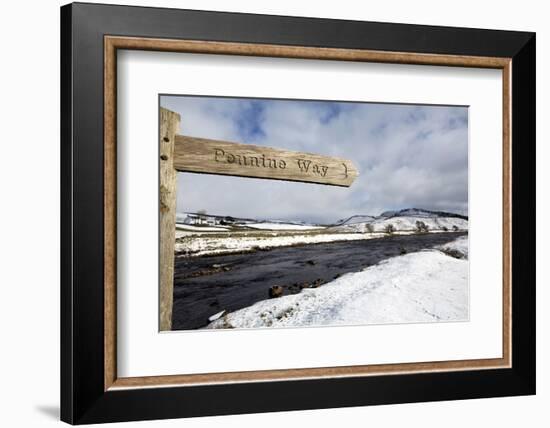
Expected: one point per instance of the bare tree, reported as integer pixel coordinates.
(421, 226)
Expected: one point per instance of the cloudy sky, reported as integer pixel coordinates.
(407, 156)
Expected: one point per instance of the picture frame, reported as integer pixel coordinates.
(91, 391)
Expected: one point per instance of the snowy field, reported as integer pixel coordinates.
(199, 229)
(201, 245)
(426, 286)
(283, 226)
(255, 226)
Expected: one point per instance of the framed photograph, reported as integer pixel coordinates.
(266, 213)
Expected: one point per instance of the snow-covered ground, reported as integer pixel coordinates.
(426, 286)
(201, 245)
(404, 223)
(459, 247)
(191, 228)
(282, 226)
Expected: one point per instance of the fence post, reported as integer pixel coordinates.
(169, 127)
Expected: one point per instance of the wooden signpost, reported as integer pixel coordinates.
(190, 154)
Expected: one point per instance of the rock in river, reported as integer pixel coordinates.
(276, 291)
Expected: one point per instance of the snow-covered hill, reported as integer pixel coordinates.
(420, 212)
(406, 224)
(407, 220)
(356, 219)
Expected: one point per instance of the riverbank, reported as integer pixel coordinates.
(425, 286)
(203, 244)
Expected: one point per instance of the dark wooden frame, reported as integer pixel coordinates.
(90, 34)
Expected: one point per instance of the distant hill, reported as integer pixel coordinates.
(407, 212)
(356, 219)
(406, 220)
(420, 212)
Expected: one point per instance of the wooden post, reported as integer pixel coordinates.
(169, 126)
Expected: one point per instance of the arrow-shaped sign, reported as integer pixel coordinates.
(246, 160)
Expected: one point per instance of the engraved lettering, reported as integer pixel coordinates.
(303, 165)
(247, 160)
(226, 158)
(254, 160)
(218, 153)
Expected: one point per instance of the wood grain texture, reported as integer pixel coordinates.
(318, 372)
(247, 160)
(169, 126)
(112, 43)
(109, 212)
(507, 213)
(302, 52)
